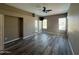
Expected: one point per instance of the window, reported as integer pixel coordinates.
(40, 26)
(62, 23)
(36, 25)
(45, 24)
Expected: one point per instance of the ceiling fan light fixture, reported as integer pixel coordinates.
(46, 10)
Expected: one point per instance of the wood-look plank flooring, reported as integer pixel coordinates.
(40, 44)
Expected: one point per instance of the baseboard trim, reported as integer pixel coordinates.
(70, 46)
(58, 34)
(52, 33)
(11, 40)
(19, 38)
(28, 36)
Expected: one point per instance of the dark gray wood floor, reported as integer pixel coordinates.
(40, 44)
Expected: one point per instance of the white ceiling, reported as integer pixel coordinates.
(57, 8)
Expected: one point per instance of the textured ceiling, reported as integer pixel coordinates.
(57, 8)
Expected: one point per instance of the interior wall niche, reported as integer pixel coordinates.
(11, 28)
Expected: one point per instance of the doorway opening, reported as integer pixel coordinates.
(63, 26)
(20, 27)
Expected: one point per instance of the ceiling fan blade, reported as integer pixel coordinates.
(44, 9)
(48, 10)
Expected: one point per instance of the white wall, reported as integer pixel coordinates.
(1, 32)
(73, 27)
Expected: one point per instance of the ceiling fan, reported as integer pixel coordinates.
(45, 10)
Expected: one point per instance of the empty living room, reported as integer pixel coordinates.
(39, 28)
